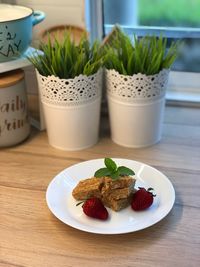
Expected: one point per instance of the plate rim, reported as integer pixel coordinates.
(81, 228)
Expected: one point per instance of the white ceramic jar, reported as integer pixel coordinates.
(14, 119)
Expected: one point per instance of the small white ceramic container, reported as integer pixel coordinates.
(14, 119)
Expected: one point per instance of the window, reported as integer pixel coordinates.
(175, 20)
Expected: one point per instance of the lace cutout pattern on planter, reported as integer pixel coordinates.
(137, 87)
(70, 92)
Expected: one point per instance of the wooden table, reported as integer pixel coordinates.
(31, 236)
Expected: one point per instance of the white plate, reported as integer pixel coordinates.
(63, 205)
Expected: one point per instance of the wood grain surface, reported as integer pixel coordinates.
(32, 237)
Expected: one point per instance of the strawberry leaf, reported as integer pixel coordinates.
(102, 172)
(110, 164)
(150, 189)
(125, 171)
(79, 203)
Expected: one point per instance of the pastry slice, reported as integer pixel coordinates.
(118, 204)
(116, 193)
(117, 199)
(122, 182)
(87, 188)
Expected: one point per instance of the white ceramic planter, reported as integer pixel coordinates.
(72, 128)
(137, 125)
(136, 107)
(71, 110)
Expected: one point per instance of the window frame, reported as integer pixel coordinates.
(176, 93)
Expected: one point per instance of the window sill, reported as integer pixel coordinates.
(183, 88)
(189, 99)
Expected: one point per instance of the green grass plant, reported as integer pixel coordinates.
(147, 55)
(66, 59)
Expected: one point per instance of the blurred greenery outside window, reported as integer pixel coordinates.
(178, 19)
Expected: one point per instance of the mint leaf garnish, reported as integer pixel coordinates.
(125, 171)
(110, 164)
(112, 170)
(102, 172)
(115, 175)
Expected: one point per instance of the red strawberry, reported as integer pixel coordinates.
(142, 199)
(93, 207)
